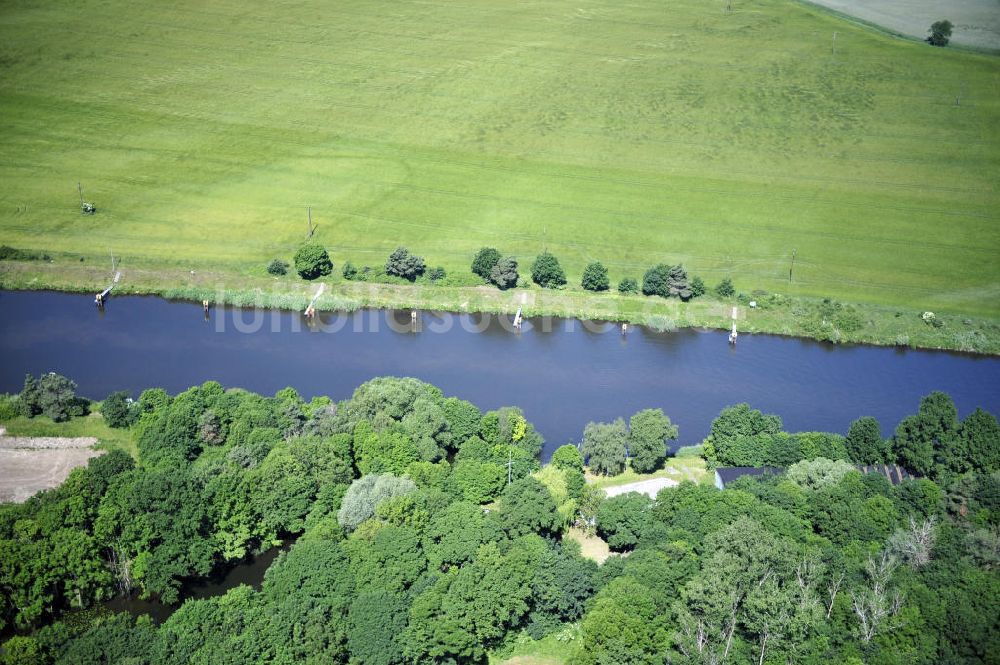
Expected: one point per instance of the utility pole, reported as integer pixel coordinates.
(791, 267)
(834, 49)
(309, 211)
(79, 187)
(111, 252)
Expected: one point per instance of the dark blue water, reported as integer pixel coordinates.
(562, 378)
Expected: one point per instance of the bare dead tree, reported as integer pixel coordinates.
(121, 567)
(832, 590)
(876, 603)
(916, 544)
(694, 643)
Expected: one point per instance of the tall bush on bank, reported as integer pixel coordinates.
(595, 277)
(483, 263)
(504, 273)
(277, 267)
(312, 261)
(51, 395)
(656, 281)
(403, 264)
(118, 410)
(546, 271)
(725, 288)
(628, 286)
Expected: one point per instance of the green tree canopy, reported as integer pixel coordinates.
(649, 431)
(567, 457)
(940, 33)
(622, 520)
(628, 285)
(981, 440)
(864, 442)
(53, 396)
(739, 435)
(928, 443)
(504, 273)
(595, 277)
(526, 506)
(375, 626)
(604, 446)
(656, 281)
(403, 264)
(725, 288)
(678, 283)
(312, 261)
(118, 411)
(483, 263)
(366, 493)
(546, 271)
(698, 287)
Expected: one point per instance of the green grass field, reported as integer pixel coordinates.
(630, 133)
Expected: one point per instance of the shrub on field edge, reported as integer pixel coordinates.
(277, 267)
(697, 287)
(118, 410)
(628, 285)
(504, 273)
(546, 271)
(483, 263)
(940, 33)
(595, 277)
(665, 280)
(403, 264)
(312, 261)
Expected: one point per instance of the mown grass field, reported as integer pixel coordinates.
(631, 133)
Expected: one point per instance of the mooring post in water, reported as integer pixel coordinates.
(733, 334)
(414, 321)
(311, 308)
(99, 300)
(624, 328)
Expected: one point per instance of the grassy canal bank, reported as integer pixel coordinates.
(775, 313)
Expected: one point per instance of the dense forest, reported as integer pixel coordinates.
(426, 531)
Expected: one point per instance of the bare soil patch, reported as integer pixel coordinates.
(591, 547)
(976, 22)
(29, 465)
(648, 487)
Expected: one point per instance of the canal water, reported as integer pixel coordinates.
(249, 571)
(562, 372)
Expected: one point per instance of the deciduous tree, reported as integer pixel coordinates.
(504, 273)
(649, 431)
(595, 277)
(604, 446)
(403, 264)
(940, 33)
(312, 261)
(864, 442)
(546, 271)
(483, 263)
